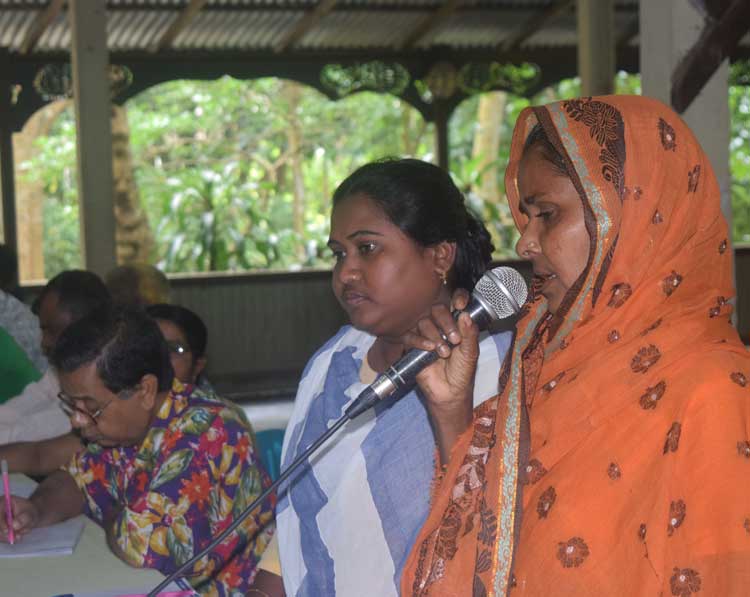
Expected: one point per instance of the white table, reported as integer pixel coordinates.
(90, 569)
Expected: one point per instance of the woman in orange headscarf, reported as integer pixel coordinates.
(616, 458)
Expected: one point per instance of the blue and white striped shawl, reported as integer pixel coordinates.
(348, 522)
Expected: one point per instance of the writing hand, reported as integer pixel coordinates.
(25, 518)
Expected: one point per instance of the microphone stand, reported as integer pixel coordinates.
(347, 416)
(396, 381)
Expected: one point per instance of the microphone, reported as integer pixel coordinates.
(498, 294)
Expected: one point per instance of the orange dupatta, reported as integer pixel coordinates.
(639, 434)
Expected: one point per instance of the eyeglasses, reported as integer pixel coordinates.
(68, 405)
(177, 347)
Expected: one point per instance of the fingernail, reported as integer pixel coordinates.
(454, 336)
(444, 350)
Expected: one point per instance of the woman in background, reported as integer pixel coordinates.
(186, 337)
(403, 240)
(634, 380)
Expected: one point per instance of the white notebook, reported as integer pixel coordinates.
(58, 539)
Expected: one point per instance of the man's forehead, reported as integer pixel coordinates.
(82, 381)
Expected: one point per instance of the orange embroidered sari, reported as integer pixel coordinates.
(638, 477)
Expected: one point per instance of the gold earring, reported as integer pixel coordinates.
(444, 278)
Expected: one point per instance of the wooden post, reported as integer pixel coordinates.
(596, 46)
(93, 112)
(442, 115)
(7, 173)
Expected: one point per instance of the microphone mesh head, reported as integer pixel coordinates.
(504, 289)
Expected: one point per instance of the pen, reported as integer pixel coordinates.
(8, 504)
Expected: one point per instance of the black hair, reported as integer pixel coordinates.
(191, 325)
(422, 200)
(538, 138)
(8, 268)
(78, 292)
(125, 344)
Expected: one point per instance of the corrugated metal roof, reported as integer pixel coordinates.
(234, 4)
(56, 36)
(258, 25)
(136, 30)
(13, 25)
(24, 3)
(237, 25)
(361, 30)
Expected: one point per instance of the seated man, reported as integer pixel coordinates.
(35, 413)
(167, 467)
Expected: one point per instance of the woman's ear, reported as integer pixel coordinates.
(444, 257)
(149, 388)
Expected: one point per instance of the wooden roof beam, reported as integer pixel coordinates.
(305, 24)
(178, 25)
(431, 23)
(39, 26)
(716, 43)
(534, 24)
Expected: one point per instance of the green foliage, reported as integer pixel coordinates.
(54, 168)
(739, 73)
(214, 164)
(739, 160)
(214, 167)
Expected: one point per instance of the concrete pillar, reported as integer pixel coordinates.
(668, 29)
(7, 173)
(93, 111)
(596, 46)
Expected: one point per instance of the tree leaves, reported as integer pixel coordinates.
(213, 167)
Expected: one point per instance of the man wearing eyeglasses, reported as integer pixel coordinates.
(28, 421)
(166, 466)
